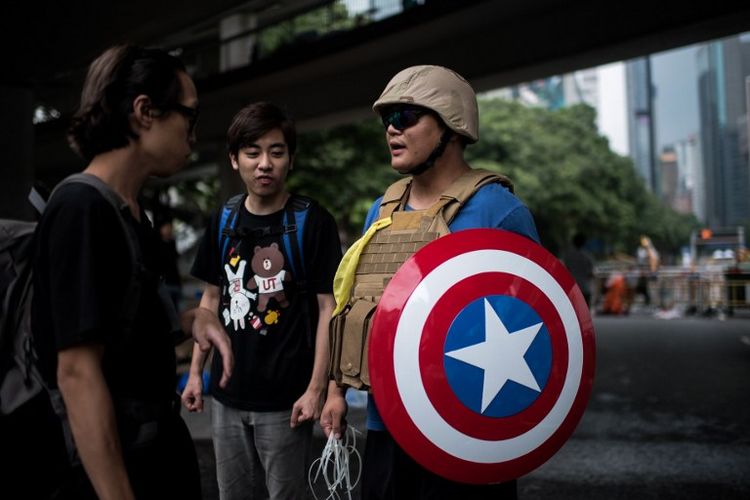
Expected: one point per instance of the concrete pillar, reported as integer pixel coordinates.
(16, 152)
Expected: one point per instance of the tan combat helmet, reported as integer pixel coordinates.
(437, 88)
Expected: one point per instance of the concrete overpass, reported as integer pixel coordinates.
(326, 80)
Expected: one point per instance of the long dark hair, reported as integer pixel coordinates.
(114, 80)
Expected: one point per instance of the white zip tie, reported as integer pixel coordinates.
(333, 466)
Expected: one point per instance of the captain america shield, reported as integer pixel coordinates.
(481, 356)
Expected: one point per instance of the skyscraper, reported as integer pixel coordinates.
(641, 121)
(602, 88)
(724, 67)
(691, 178)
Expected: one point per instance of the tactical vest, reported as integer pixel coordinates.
(382, 256)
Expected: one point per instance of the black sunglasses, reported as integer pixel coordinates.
(402, 118)
(190, 113)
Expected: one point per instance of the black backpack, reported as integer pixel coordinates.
(20, 379)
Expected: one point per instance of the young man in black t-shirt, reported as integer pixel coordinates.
(106, 348)
(275, 302)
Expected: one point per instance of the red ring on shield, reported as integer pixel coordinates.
(408, 334)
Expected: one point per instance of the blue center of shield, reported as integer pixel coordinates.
(498, 356)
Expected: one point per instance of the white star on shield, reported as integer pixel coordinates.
(500, 356)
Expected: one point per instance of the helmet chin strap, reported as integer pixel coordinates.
(436, 153)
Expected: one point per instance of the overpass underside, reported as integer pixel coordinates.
(333, 78)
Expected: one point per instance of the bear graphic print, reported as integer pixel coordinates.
(249, 301)
(268, 266)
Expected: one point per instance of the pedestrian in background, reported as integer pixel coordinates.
(581, 265)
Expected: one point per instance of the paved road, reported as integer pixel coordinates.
(669, 417)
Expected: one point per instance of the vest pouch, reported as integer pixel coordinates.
(354, 343)
(335, 334)
(364, 374)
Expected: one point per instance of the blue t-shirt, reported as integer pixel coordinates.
(492, 206)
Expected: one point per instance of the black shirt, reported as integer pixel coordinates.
(169, 257)
(270, 321)
(81, 278)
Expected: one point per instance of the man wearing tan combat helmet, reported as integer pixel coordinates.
(430, 116)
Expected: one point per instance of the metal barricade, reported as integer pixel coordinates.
(706, 291)
(738, 290)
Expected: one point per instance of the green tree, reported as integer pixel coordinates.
(571, 180)
(346, 168)
(304, 27)
(562, 169)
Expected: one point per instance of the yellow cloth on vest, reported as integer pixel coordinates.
(344, 279)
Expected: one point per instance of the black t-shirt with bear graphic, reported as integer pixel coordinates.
(269, 318)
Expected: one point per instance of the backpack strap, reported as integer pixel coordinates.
(228, 222)
(293, 222)
(37, 199)
(295, 216)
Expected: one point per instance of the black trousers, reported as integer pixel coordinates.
(34, 460)
(166, 467)
(390, 474)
